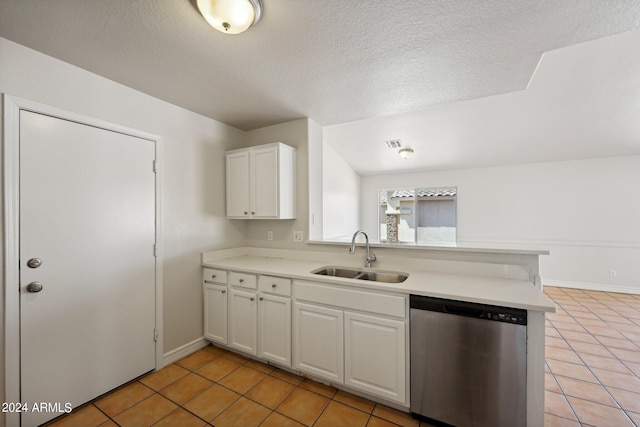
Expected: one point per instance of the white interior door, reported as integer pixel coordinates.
(87, 211)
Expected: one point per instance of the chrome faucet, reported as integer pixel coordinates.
(352, 250)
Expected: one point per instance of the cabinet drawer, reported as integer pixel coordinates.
(243, 280)
(372, 302)
(211, 275)
(275, 285)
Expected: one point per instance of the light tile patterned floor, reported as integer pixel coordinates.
(592, 379)
(223, 389)
(592, 359)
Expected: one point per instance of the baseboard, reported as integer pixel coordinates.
(592, 287)
(178, 353)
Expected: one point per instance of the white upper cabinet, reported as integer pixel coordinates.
(238, 184)
(261, 182)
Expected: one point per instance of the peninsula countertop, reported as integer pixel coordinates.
(504, 292)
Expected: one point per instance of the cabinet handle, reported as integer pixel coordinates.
(213, 276)
(273, 285)
(223, 291)
(252, 299)
(241, 280)
(253, 213)
(245, 212)
(261, 298)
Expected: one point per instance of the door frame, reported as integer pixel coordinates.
(11, 221)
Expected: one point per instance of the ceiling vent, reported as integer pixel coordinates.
(393, 143)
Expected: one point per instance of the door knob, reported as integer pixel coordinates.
(34, 263)
(34, 287)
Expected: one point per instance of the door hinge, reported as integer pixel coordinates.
(155, 334)
(155, 250)
(155, 167)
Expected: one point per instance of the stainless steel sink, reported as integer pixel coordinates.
(348, 273)
(355, 273)
(386, 277)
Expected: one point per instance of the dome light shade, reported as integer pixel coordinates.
(405, 152)
(231, 16)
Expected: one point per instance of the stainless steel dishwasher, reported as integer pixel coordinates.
(468, 363)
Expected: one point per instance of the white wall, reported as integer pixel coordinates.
(193, 170)
(316, 169)
(585, 212)
(341, 196)
(296, 134)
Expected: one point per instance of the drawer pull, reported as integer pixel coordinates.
(261, 298)
(252, 299)
(241, 280)
(273, 285)
(213, 276)
(223, 291)
(245, 212)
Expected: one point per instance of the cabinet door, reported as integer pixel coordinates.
(318, 341)
(375, 355)
(215, 313)
(238, 184)
(243, 317)
(274, 329)
(264, 182)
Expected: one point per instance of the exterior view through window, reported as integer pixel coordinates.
(418, 215)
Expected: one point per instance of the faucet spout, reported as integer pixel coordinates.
(370, 256)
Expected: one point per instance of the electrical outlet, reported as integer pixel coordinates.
(297, 236)
(269, 235)
(613, 274)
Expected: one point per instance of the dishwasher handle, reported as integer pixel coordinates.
(462, 311)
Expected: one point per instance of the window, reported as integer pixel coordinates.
(420, 215)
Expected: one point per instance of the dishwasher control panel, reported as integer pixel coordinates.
(495, 313)
(518, 319)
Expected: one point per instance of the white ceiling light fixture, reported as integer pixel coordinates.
(405, 153)
(231, 16)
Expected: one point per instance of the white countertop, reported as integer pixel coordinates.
(496, 248)
(486, 290)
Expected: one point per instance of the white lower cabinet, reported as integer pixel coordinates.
(215, 313)
(319, 341)
(274, 328)
(354, 337)
(243, 321)
(249, 313)
(374, 355)
(341, 334)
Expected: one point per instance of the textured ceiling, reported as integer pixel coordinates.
(582, 102)
(333, 61)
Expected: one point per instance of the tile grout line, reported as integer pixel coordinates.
(575, 414)
(592, 373)
(296, 386)
(240, 395)
(623, 410)
(576, 418)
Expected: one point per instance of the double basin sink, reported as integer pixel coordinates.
(355, 273)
